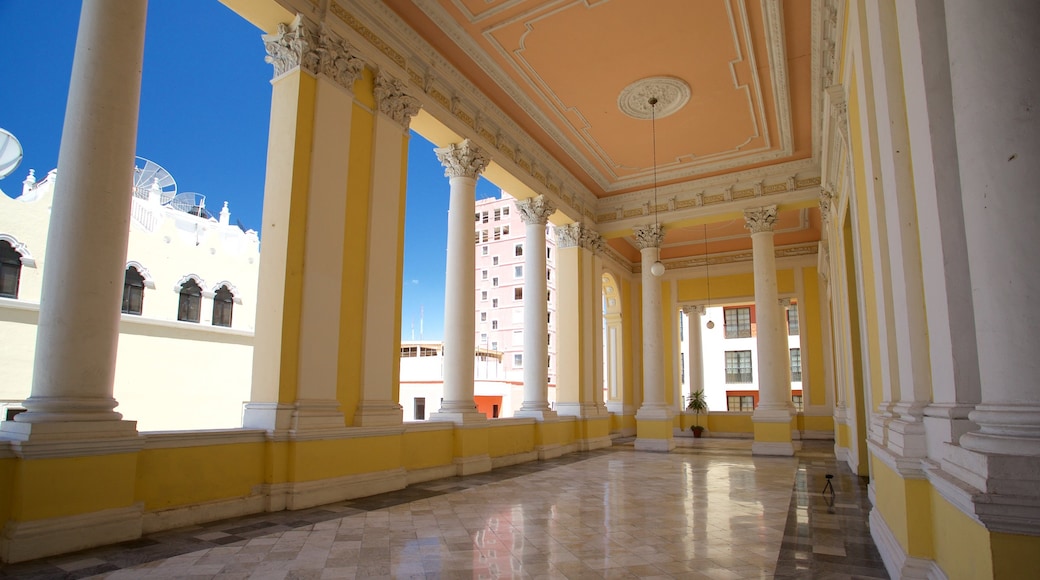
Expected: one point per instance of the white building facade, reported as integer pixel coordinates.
(189, 304)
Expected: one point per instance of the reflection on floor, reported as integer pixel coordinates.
(709, 510)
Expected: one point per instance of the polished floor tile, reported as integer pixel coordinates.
(710, 510)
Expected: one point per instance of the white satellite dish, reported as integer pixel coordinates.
(10, 153)
(148, 175)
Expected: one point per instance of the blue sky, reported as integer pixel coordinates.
(205, 106)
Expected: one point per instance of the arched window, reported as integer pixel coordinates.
(223, 302)
(133, 291)
(191, 301)
(10, 270)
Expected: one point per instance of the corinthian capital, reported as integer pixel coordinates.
(760, 219)
(825, 205)
(294, 45)
(535, 210)
(393, 101)
(338, 60)
(462, 159)
(648, 236)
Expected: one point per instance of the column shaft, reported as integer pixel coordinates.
(78, 330)
(653, 355)
(463, 163)
(695, 364)
(534, 213)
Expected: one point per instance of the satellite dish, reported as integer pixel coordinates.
(10, 153)
(150, 175)
(190, 202)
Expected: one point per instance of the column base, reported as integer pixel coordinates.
(772, 427)
(581, 410)
(1005, 429)
(537, 414)
(303, 415)
(654, 424)
(71, 438)
(459, 417)
(779, 449)
(378, 414)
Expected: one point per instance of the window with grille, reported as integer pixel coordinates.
(420, 408)
(10, 270)
(792, 320)
(223, 304)
(518, 360)
(740, 403)
(799, 402)
(796, 364)
(133, 291)
(498, 234)
(190, 302)
(738, 366)
(494, 325)
(484, 217)
(498, 214)
(518, 293)
(483, 294)
(483, 316)
(518, 271)
(483, 274)
(494, 281)
(494, 261)
(505, 211)
(505, 230)
(518, 250)
(738, 322)
(494, 302)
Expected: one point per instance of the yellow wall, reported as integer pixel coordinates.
(8, 467)
(729, 423)
(67, 486)
(355, 248)
(506, 440)
(812, 337)
(424, 449)
(182, 476)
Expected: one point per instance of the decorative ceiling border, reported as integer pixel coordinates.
(791, 251)
(775, 45)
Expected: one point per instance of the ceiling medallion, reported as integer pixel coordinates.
(672, 94)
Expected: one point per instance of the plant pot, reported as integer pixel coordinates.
(697, 431)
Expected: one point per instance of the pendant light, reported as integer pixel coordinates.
(707, 277)
(657, 269)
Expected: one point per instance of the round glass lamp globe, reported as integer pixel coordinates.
(711, 324)
(657, 269)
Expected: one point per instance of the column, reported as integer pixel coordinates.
(654, 418)
(379, 405)
(535, 213)
(772, 417)
(695, 366)
(463, 163)
(296, 352)
(78, 329)
(994, 86)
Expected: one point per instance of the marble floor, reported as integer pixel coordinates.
(707, 510)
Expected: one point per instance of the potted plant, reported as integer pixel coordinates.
(698, 405)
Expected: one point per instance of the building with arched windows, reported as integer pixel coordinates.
(187, 310)
(870, 162)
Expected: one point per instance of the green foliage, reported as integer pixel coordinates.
(698, 405)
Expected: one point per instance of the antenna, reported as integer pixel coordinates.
(10, 153)
(149, 175)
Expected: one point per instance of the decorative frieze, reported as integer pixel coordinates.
(760, 219)
(395, 102)
(648, 236)
(535, 210)
(338, 60)
(825, 205)
(294, 45)
(463, 159)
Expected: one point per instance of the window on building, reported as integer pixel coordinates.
(483, 316)
(548, 275)
(548, 253)
(518, 338)
(505, 211)
(740, 403)
(494, 325)
(682, 368)
(494, 281)
(494, 345)
(518, 315)
(494, 261)
(133, 291)
(483, 294)
(190, 304)
(548, 317)
(484, 235)
(10, 270)
(498, 214)
(796, 365)
(682, 328)
(476, 237)
(223, 303)
(518, 249)
(518, 360)
(738, 366)
(420, 408)
(792, 320)
(798, 401)
(483, 250)
(498, 234)
(494, 302)
(548, 295)
(484, 217)
(738, 322)
(518, 293)
(505, 230)
(477, 216)
(483, 274)
(518, 271)
(483, 338)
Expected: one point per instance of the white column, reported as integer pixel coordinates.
(994, 85)
(535, 213)
(695, 366)
(381, 346)
(463, 163)
(774, 384)
(78, 330)
(649, 238)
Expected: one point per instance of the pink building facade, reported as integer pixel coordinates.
(500, 271)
